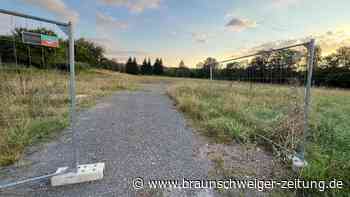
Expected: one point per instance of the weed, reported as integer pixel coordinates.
(35, 103)
(227, 111)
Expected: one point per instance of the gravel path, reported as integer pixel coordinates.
(136, 134)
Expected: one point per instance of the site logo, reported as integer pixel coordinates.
(49, 41)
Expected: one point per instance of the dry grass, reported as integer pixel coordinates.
(237, 111)
(35, 103)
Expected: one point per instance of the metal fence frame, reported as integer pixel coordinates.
(310, 46)
(68, 29)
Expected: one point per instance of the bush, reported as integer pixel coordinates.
(79, 66)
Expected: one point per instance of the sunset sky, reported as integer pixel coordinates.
(192, 30)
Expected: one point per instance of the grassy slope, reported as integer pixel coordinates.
(35, 103)
(230, 111)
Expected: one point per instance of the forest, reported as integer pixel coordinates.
(281, 67)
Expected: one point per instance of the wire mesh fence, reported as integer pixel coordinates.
(34, 91)
(274, 87)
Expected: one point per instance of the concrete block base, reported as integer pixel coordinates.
(85, 173)
(298, 164)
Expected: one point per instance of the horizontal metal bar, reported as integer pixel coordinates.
(32, 17)
(30, 180)
(264, 52)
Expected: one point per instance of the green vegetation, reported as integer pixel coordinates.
(14, 51)
(146, 67)
(278, 68)
(237, 111)
(34, 88)
(131, 67)
(35, 103)
(329, 151)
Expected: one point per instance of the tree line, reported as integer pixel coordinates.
(146, 68)
(87, 53)
(281, 67)
(286, 66)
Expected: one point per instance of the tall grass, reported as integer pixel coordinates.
(237, 111)
(35, 103)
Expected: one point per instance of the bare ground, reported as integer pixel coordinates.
(137, 134)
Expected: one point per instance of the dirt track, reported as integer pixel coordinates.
(136, 133)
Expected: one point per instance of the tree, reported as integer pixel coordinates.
(135, 66)
(110, 64)
(33, 55)
(128, 66)
(335, 69)
(282, 66)
(144, 67)
(343, 55)
(183, 71)
(158, 67)
(182, 64)
(131, 66)
(88, 52)
(209, 62)
(232, 71)
(199, 65)
(149, 69)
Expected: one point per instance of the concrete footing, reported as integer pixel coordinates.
(298, 164)
(85, 173)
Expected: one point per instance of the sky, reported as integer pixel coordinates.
(192, 30)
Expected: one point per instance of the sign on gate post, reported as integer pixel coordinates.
(31, 38)
(39, 39)
(64, 175)
(49, 41)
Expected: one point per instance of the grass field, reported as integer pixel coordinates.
(227, 111)
(35, 103)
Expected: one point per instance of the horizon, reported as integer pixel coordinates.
(177, 31)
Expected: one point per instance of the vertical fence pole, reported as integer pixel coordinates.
(29, 56)
(73, 117)
(211, 72)
(310, 64)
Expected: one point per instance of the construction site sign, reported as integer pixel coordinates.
(49, 41)
(40, 39)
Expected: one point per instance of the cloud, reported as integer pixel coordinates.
(200, 37)
(58, 7)
(329, 41)
(106, 29)
(239, 24)
(113, 50)
(284, 3)
(174, 33)
(332, 40)
(135, 6)
(105, 22)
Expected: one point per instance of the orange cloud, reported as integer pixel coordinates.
(105, 22)
(135, 6)
(58, 7)
(240, 24)
(329, 42)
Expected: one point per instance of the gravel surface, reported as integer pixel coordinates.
(136, 133)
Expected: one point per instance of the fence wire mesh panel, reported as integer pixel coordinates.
(34, 94)
(270, 92)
